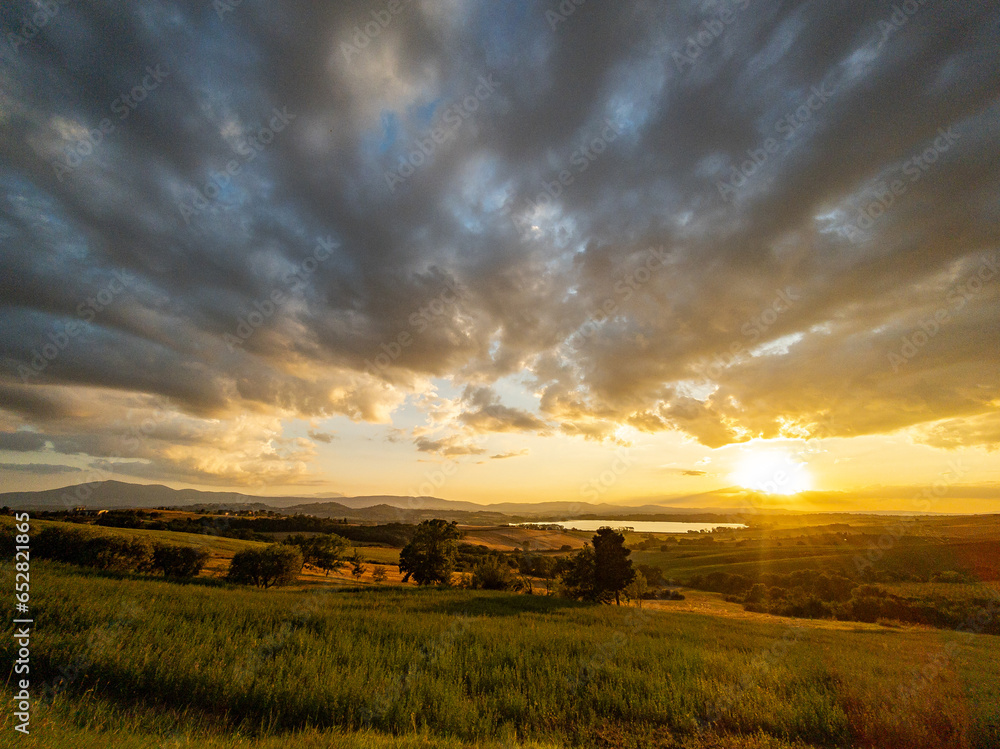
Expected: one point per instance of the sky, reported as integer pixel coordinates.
(630, 252)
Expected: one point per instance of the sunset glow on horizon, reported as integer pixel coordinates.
(480, 256)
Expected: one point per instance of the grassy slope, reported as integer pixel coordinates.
(478, 667)
(917, 554)
(92, 723)
(220, 549)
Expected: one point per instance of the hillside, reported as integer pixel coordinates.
(483, 667)
(382, 508)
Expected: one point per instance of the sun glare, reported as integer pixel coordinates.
(772, 471)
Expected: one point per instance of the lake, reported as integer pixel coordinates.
(639, 526)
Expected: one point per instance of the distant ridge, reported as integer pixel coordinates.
(383, 508)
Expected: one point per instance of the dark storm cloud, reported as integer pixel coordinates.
(21, 441)
(169, 172)
(38, 469)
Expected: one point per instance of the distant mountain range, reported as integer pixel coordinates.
(379, 508)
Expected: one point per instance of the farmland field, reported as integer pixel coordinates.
(141, 656)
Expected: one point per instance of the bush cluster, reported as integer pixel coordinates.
(493, 572)
(811, 594)
(88, 548)
(277, 564)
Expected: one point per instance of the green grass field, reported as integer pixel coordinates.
(926, 547)
(146, 662)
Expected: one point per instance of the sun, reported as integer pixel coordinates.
(772, 471)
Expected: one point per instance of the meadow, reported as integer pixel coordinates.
(129, 660)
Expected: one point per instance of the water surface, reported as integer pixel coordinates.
(639, 526)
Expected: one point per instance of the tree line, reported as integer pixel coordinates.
(601, 571)
(117, 553)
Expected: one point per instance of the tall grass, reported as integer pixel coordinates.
(478, 666)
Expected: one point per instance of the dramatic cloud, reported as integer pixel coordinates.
(21, 441)
(40, 469)
(727, 221)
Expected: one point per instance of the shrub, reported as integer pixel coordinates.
(278, 564)
(178, 561)
(117, 554)
(358, 565)
(653, 575)
(951, 576)
(636, 589)
(492, 573)
(89, 549)
(757, 593)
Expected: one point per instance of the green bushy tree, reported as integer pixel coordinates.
(277, 564)
(493, 573)
(178, 561)
(430, 557)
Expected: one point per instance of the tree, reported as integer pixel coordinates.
(577, 574)
(179, 561)
(492, 573)
(635, 590)
(358, 565)
(324, 552)
(277, 564)
(612, 567)
(379, 574)
(653, 575)
(327, 552)
(430, 556)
